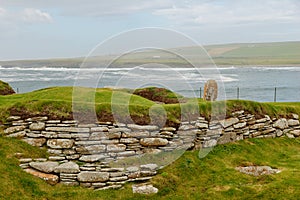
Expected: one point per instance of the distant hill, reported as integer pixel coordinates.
(276, 53)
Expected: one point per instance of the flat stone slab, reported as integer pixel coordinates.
(49, 178)
(46, 167)
(69, 168)
(258, 170)
(93, 177)
(60, 143)
(154, 142)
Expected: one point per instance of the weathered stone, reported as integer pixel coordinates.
(281, 124)
(53, 121)
(201, 125)
(37, 119)
(279, 133)
(49, 178)
(154, 142)
(257, 126)
(25, 160)
(150, 167)
(46, 167)
(37, 126)
(257, 170)
(115, 135)
(13, 118)
(91, 149)
(210, 143)
(129, 140)
(60, 143)
(186, 127)
(269, 130)
(92, 158)
(68, 129)
(57, 158)
(147, 127)
(132, 169)
(35, 141)
(116, 130)
(295, 116)
(139, 134)
(293, 122)
(126, 153)
(289, 135)
(144, 189)
(121, 178)
(262, 120)
(229, 122)
(92, 177)
(171, 129)
(19, 134)
(227, 137)
(14, 129)
(238, 113)
(98, 136)
(69, 167)
(240, 125)
(99, 129)
(116, 147)
(296, 133)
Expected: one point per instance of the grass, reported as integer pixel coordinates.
(189, 177)
(57, 102)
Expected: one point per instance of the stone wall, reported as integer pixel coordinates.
(85, 154)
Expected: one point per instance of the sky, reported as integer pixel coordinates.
(34, 29)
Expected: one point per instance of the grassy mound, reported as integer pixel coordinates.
(189, 177)
(5, 88)
(161, 95)
(110, 105)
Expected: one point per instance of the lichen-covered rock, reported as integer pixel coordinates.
(92, 158)
(35, 141)
(293, 122)
(281, 124)
(69, 168)
(93, 177)
(14, 129)
(144, 189)
(60, 143)
(37, 126)
(154, 142)
(229, 122)
(46, 167)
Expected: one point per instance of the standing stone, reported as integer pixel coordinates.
(210, 90)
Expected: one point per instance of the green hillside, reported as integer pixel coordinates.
(276, 53)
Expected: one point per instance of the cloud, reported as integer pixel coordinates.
(32, 15)
(232, 12)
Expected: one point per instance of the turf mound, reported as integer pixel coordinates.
(5, 89)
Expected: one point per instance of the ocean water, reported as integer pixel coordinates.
(254, 83)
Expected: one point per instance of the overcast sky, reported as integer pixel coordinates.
(70, 28)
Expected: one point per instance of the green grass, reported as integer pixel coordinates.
(57, 103)
(189, 177)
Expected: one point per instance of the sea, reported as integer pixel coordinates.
(263, 84)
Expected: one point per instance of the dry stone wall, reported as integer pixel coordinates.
(83, 154)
